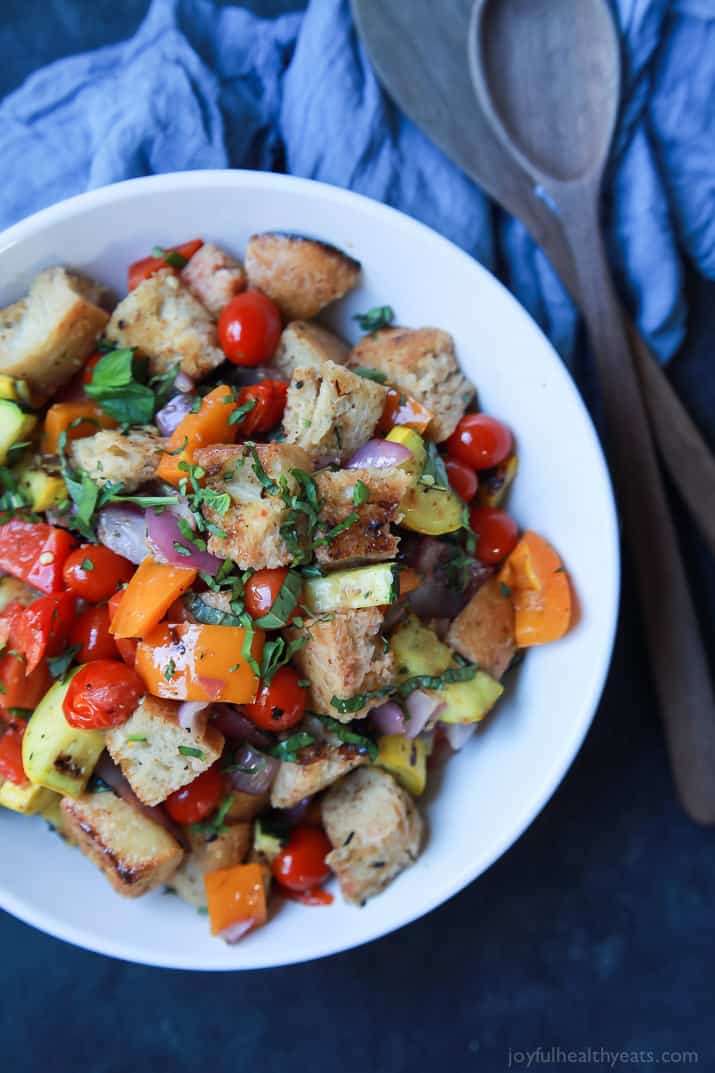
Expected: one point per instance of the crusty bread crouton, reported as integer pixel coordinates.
(110, 456)
(135, 854)
(297, 781)
(375, 829)
(156, 767)
(484, 631)
(422, 362)
(344, 656)
(167, 324)
(307, 346)
(301, 275)
(371, 537)
(214, 277)
(224, 850)
(253, 522)
(331, 412)
(47, 337)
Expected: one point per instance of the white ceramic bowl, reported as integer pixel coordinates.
(494, 788)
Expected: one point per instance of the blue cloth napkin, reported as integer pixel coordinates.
(205, 87)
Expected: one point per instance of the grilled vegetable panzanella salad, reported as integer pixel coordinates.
(254, 581)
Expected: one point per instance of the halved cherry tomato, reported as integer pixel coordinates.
(35, 552)
(126, 646)
(42, 629)
(195, 802)
(249, 328)
(270, 402)
(300, 865)
(261, 591)
(280, 704)
(147, 266)
(102, 694)
(313, 896)
(91, 632)
(402, 409)
(496, 533)
(94, 572)
(462, 478)
(20, 690)
(11, 755)
(480, 441)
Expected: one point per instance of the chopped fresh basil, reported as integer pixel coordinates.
(285, 604)
(277, 654)
(347, 523)
(211, 616)
(349, 737)
(118, 392)
(434, 473)
(268, 483)
(59, 665)
(246, 648)
(375, 318)
(136, 739)
(87, 564)
(371, 374)
(214, 825)
(504, 590)
(163, 387)
(19, 713)
(189, 750)
(170, 670)
(462, 673)
(470, 542)
(361, 494)
(240, 412)
(289, 748)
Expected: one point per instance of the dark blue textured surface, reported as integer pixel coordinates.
(597, 929)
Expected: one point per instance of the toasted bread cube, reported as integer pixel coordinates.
(167, 324)
(344, 656)
(304, 345)
(155, 767)
(47, 337)
(224, 850)
(252, 524)
(375, 829)
(422, 362)
(371, 537)
(294, 782)
(136, 854)
(484, 631)
(331, 412)
(301, 275)
(214, 277)
(109, 456)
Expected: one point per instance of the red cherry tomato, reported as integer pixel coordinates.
(249, 328)
(102, 694)
(126, 646)
(35, 552)
(11, 755)
(462, 478)
(94, 572)
(300, 865)
(261, 591)
(42, 629)
(21, 690)
(91, 633)
(198, 800)
(270, 402)
(280, 704)
(147, 266)
(314, 896)
(480, 441)
(496, 533)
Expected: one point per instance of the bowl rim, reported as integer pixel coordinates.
(240, 178)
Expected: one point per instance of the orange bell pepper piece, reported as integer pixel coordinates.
(540, 591)
(59, 417)
(409, 580)
(237, 894)
(209, 425)
(402, 409)
(149, 594)
(190, 661)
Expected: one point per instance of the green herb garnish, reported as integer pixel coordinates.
(463, 673)
(375, 318)
(284, 605)
(59, 665)
(289, 748)
(370, 374)
(120, 394)
(240, 412)
(87, 564)
(361, 494)
(189, 750)
(349, 737)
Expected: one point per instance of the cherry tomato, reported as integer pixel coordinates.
(198, 800)
(94, 572)
(102, 694)
(127, 646)
(300, 865)
(42, 629)
(147, 266)
(262, 589)
(88, 371)
(270, 402)
(462, 478)
(91, 633)
(35, 552)
(496, 533)
(313, 896)
(480, 441)
(280, 704)
(11, 755)
(18, 689)
(249, 328)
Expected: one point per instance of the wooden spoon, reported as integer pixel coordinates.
(417, 58)
(547, 72)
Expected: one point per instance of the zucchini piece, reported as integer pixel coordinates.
(432, 511)
(346, 590)
(43, 491)
(15, 426)
(54, 754)
(27, 798)
(418, 650)
(469, 702)
(494, 485)
(405, 759)
(266, 842)
(14, 390)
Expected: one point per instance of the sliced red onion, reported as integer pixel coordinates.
(458, 734)
(422, 707)
(164, 536)
(122, 529)
(108, 772)
(443, 593)
(183, 382)
(379, 454)
(213, 686)
(236, 931)
(235, 725)
(252, 771)
(388, 719)
(170, 416)
(193, 715)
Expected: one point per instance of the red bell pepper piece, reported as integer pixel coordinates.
(11, 755)
(35, 552)
(147, 266)
(43, 628)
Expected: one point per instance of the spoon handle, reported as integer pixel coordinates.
(678, 660)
